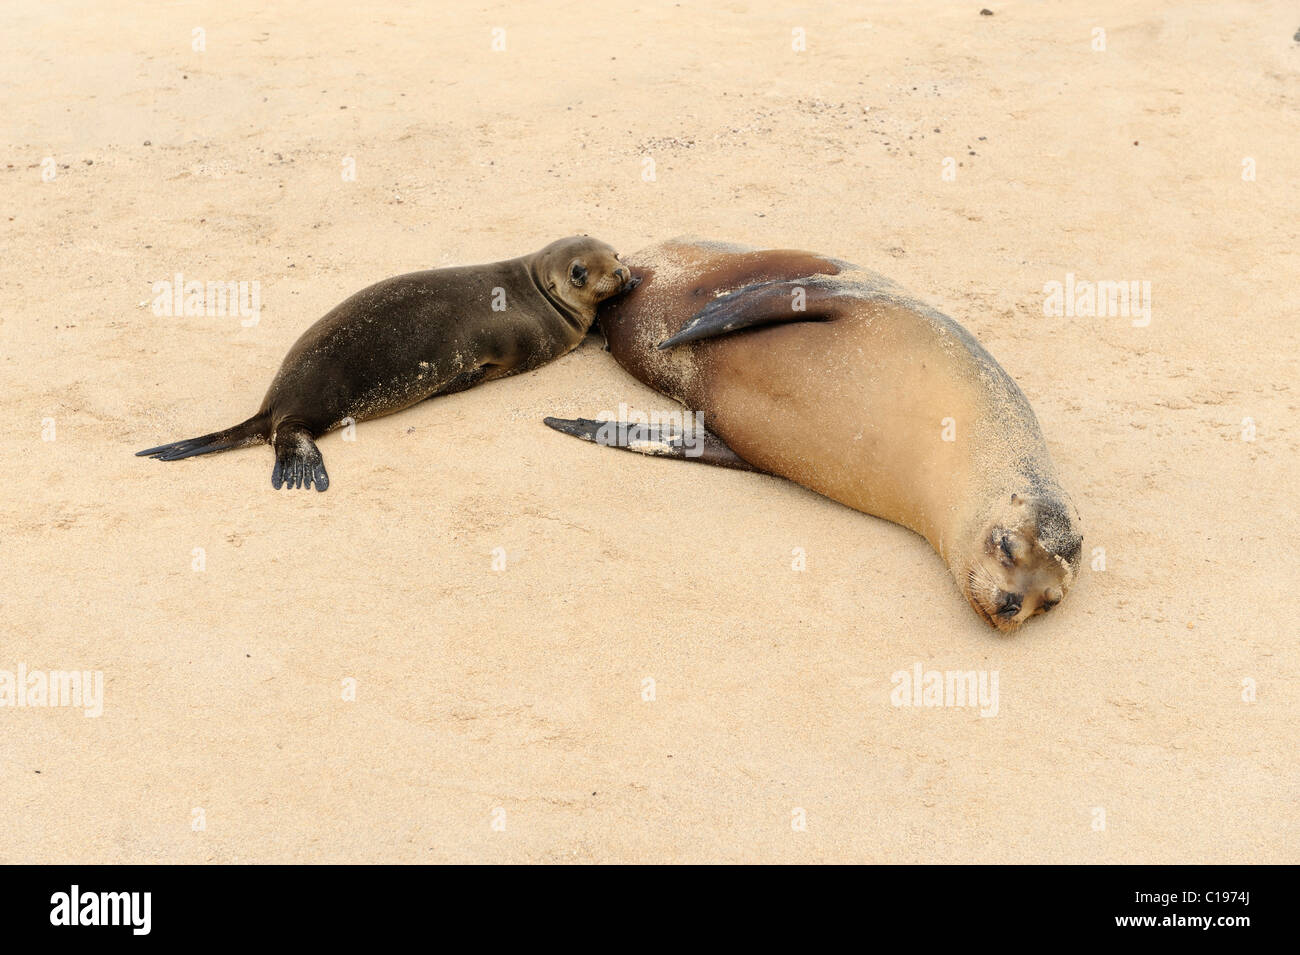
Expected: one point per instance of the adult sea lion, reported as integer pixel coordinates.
(417, 336)
(832, 376)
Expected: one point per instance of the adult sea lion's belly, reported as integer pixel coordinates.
(859, 409)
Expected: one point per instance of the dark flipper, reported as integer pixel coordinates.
(298, 462)
(696, 445)
(757, 306)
(253, 431)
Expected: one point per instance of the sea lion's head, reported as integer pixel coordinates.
(581, 272)
(1024, 559)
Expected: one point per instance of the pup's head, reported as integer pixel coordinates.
(582, 272)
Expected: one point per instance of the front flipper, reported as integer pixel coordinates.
(298, 462)
(756, 306)
(699, 444)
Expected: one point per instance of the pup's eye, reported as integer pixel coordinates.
(1005, 554)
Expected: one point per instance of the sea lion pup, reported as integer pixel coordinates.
(832, 376)
(417, 336)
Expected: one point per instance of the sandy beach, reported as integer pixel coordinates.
(489, 642)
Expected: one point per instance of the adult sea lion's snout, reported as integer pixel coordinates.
(1009, 604)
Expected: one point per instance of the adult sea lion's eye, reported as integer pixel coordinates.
(578, 274)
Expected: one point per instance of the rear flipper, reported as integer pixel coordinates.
(252, 431)
(697, 444)
(756, 306)
(298, 461)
